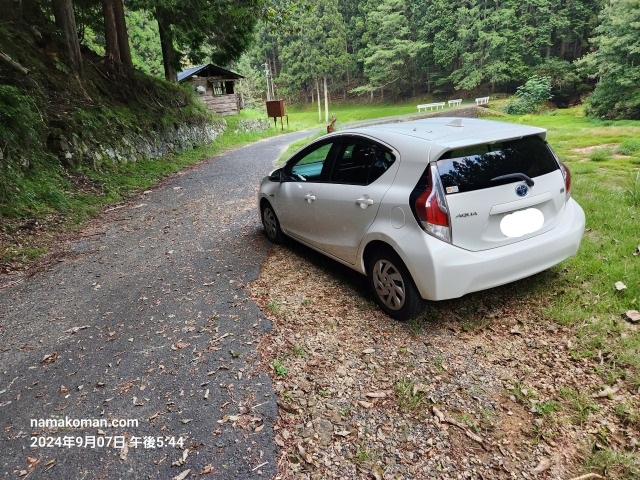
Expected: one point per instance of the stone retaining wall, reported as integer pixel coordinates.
(75, 150)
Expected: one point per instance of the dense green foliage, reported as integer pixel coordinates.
(617, 62)
(530, 96)
(219, 31)
(52, 124)
(145, 42)
(400, 49)
(21, 128)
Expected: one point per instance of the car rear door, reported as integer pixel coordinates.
(361, 174)
(502, 193)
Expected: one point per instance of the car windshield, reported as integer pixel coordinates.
(479, 166)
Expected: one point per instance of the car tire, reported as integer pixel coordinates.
(392, 285)
(271, 224)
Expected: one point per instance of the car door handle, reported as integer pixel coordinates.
(310, 197)
(364, 202)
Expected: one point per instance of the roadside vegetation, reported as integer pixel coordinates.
(48, 199)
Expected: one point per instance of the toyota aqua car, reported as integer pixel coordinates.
(428, 209)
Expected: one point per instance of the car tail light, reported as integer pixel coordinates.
(567, 179)
(431, 208)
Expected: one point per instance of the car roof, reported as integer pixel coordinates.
(449, 132)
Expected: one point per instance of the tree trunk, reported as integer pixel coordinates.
(66, 22)
(169, 55)
(273, 85)
(318, 97)
(563, 49)
(112, 50)
(326, 101)
(13, 64)
(123, 36)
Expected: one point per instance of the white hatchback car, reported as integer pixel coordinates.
(428, 209)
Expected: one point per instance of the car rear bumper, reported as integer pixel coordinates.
(447, 271)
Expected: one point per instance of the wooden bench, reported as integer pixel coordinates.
(482, 101)
(431, 106)
(457, 101)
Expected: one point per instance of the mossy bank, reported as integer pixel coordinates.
(66, 140)
(53, 119)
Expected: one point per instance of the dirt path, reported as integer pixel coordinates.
(144, 317)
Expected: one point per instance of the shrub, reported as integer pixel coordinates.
(530, 96)
(601, 154)
(629, 147)
(615, 99)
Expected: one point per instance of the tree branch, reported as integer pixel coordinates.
(13, 64)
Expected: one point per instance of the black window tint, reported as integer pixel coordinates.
(382, 161)
(308, 168)
(361, 163)
(473, 168)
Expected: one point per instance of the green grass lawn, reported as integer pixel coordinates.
(604, 159)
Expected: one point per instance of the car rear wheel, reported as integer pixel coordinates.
(392, 286)
(271, 224)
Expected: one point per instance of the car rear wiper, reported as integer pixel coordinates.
(527, 179)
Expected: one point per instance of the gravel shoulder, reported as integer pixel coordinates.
(480, 387)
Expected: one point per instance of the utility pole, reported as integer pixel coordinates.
(267, 75)
(271, 94)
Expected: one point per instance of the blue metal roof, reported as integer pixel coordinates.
(208, 70)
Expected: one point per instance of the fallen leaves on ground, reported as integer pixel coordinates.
(482, 387)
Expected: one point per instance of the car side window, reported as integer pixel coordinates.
(360, 163)
(308, 168)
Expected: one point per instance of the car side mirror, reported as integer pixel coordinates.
(277, 176)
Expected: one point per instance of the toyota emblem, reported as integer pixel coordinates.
(522, 190)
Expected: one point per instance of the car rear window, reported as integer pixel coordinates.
(360, 162)
(473, 168)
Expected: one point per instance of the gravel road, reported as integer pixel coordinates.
(145, 319)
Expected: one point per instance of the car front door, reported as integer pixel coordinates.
(360, 176)
(303, 180)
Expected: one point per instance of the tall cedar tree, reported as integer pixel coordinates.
(66, 23)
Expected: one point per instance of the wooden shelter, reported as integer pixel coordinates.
(215, 86)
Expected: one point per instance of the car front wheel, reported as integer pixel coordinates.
(392, 286)
(271, 224)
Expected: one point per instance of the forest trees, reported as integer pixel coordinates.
(66, 23)
(390, 47)
(328, 38)
(308, 53)
(221, 29)
(617, 62)
(377, 48)
(398, 49)
(117, 47)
